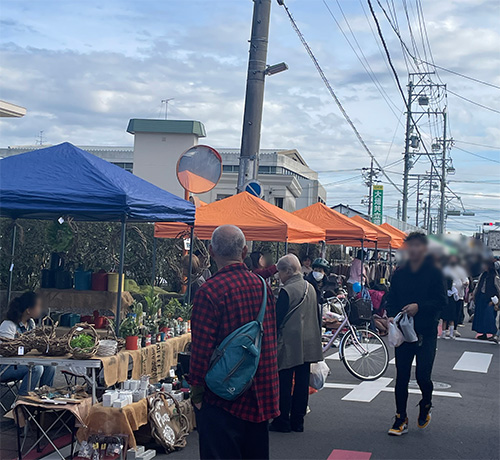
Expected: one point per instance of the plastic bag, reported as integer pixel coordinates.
(396, 337)
(406, 325)
(319, 373)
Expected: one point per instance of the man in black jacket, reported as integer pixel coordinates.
(417, 289)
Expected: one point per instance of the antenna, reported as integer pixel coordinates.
(166, 101)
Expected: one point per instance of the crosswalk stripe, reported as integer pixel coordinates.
(352, 354)
(367, 391)
(474, 362)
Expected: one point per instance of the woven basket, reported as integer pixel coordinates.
(111, 335)
(10, 347)
(86, 353)
(41, 337)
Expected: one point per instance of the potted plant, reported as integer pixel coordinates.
(130, 330)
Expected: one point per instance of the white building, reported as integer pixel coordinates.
(287, 180)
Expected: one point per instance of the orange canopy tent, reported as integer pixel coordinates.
(384, 239)
(339, 228)
(396, 231)
(259, 221)
(398, 236)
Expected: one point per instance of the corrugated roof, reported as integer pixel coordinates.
(142, 125)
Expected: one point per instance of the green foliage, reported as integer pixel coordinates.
(83, 341)
(60, 236)
(129, 327)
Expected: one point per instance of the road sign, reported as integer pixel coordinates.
(378, 204)
(254, 188)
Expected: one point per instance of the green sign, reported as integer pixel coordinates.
(377, 204)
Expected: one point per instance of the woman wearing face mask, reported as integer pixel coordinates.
(319, 279)
(20, 319)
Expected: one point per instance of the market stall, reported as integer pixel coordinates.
(383, 239)
(259, 221)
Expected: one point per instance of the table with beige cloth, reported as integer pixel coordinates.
(73, 300)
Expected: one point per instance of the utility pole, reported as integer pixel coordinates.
(399, 210)
(418, 200)
(425, 214)
(166, 101)
(407, 160)
(370, 176)
(442, 205)
(254, 98)
(429, 204)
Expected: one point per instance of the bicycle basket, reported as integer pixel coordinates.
(360, 311)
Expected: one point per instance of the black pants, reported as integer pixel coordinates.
(460, 313)
(224, 436)
(425, 351)
(293, 406)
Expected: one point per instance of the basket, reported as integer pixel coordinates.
(10, 347)
(111, 335)
(107, 348)
(40, 337)
(360, 312)
(79, 353)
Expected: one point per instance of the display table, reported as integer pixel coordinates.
(112, 421)
(71, 299)
(29, 410)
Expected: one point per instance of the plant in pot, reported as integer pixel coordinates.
(130, 330)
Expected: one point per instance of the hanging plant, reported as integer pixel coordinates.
(60, 236)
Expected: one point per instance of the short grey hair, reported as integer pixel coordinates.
(289, 264)
(228, 242)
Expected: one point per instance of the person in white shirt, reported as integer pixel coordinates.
(357, 272)
(20, 319)
(460, 280)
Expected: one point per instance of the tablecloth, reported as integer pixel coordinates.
(112, 421)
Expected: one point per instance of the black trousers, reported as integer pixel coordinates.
(425, 351)
(224, 436)
(293, 405)
(460, 313)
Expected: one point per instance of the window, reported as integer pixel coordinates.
(126, 166)
(230, 168)
(278, 202)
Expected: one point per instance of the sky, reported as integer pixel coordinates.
(84, 68)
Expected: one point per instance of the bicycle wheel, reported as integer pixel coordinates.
(364, 354)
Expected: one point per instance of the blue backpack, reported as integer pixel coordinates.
(235, 361)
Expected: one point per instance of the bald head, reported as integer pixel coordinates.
(288, 266)
(228, 245)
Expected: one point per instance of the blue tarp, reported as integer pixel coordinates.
(64, 180)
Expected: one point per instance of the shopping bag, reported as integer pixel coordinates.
(319, 373)
(406, 325)
(396, 337)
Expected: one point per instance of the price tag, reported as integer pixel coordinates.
(20, 351)
(172, 373)
(79, 329)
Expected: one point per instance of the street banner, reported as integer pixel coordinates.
(378, 204)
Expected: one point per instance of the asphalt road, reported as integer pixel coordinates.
(465, 422)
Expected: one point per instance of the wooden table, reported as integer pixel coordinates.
(74, 300)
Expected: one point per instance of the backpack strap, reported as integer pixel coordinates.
(260, 317)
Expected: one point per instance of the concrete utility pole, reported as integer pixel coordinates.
(429, 203)
(442, 205)
(418, 200)
(407, 163)
(370, 176)
(254, 98)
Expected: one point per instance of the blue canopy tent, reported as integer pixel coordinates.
(64, 180)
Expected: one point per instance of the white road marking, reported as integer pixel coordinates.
(465, 339)
(385, 388)
(474, 362)
(393, 361)
(367, 391)
(352, 354)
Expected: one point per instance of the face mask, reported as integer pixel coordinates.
(318, 276)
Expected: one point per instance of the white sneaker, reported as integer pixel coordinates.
(457, 334)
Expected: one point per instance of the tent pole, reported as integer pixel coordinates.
(120, 276)
(277, 250)
(362, 261)
(153, 269)
(323, 249)
(191, 248)
(286, 246)
(11, 268)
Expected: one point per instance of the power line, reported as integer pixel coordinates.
(334, 96)
(479, 145)
(477, 155)
(473, 102)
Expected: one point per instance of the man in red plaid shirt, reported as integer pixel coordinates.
(229, 299)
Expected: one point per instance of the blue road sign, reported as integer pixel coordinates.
(254, 188)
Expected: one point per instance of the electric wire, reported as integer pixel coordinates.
(333, 94)
(477, 155)
(473, 102)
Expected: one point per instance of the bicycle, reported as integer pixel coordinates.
(363, 352)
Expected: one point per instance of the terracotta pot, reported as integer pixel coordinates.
(132, 342)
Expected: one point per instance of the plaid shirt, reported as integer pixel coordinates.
(228, 300)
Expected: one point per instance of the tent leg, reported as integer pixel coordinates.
(191, 249)
(153, 263)
(286, 247)
(323, 249)
(120, 277)
(362, 261)
(11, 268)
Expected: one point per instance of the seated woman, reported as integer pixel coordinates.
(20, 319)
